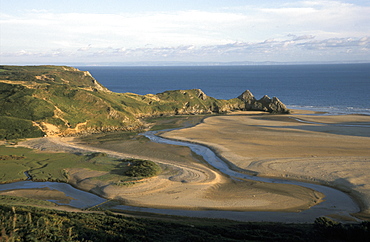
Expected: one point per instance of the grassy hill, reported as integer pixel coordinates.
(46, 100)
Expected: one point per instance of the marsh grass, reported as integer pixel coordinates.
(113, 136)
(15, 200)
(174, 122)
(42, 166)
(48, 166)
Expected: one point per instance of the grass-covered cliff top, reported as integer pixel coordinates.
(39, 76)
(61, 100)
(49, 100)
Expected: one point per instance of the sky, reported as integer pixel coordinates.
(125, 31)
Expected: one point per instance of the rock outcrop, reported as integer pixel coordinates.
(265, 104)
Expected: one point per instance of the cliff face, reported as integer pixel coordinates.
(54, 100)
(265, 104)
(195, 101)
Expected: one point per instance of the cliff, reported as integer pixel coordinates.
(266, 104)
(58, 100)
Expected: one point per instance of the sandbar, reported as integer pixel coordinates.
(329, 149)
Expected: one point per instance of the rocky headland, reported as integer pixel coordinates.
(266, 104)
(40, 101)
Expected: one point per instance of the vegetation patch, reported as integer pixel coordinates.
(142, 168)
(15, 128)
(14, 162)
(11, 157)
(21, 223)
(173, 122)
(19, 101)
(46, 166)
(112, 136)
(15, 200)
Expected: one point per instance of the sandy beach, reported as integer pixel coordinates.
(187, 183)
(333, 150)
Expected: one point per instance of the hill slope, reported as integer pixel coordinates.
(49, 100)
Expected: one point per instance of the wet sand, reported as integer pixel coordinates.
(195, 186)
(333, 150)
(186, 183)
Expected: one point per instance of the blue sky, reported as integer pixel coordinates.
(96, 32)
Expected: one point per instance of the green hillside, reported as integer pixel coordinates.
(48, 100)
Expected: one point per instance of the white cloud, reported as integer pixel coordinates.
(85, 48)
(295, 26)
(361, 44)
(302, 37)
(191, 27)
(290, 49)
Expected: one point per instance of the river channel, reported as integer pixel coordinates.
(336, 202)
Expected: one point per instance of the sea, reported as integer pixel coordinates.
(330, 88)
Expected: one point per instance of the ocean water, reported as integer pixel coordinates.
(333, 88)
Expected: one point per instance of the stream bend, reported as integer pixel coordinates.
(336, 202)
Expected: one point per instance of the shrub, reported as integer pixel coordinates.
(27, 227)
(98, 154)
(11, 157)
(325, 222)
(143, 168)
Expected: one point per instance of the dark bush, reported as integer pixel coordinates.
(143, 168)
(98, 154)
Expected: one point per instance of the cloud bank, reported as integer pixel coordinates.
(294, 31)
(291, 49)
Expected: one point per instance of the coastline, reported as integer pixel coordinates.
(197, 187)
(187, 184)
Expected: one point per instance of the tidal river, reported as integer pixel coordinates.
(336, 202)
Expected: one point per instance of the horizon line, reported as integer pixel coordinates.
(190, 63)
